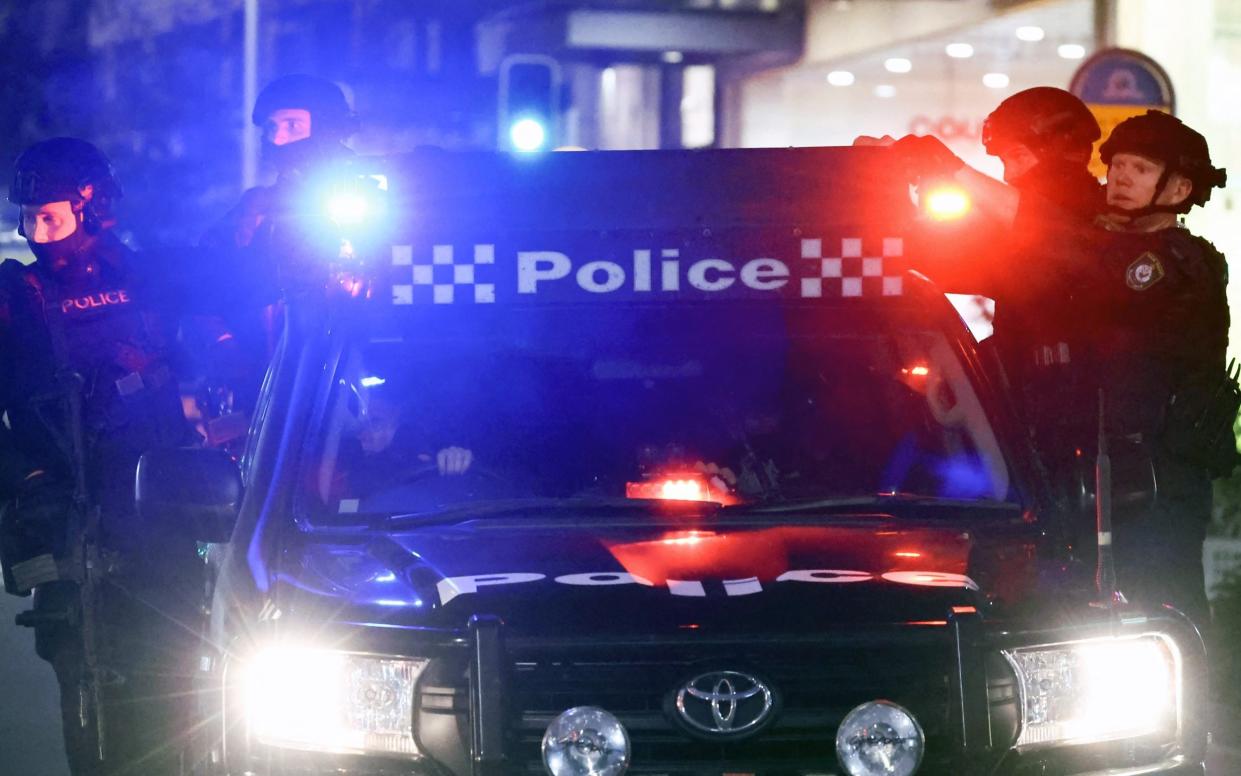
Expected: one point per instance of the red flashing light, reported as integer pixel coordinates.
(680, 487)
(946, 203)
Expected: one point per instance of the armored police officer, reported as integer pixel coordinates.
(1152, 339)
(1044, 136)
(87, 387)
(304, 122)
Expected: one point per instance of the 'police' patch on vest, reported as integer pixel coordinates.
(1145, 271)
(93, 301)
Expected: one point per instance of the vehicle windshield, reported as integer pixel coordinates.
(744, 405)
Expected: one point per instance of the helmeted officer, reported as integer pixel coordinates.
(86, 382)
(1152, 337)
(304, 121)
(1045, 137)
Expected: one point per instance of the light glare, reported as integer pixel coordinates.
(527, 135)
(995, 80)
(1030, 33)
(347, 208)
(328, 701)
(840, 78)
(1071, 51)
(1098, 690)
(959, 50)
(947, 203)
(898, 65)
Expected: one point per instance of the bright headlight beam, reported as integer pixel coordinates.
(328, 701)
(1099, 690)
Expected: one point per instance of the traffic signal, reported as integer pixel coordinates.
(529, 114)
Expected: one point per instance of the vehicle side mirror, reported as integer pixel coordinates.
(189, 489)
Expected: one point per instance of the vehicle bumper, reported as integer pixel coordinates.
(483, 711)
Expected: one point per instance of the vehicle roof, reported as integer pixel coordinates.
(664, 189)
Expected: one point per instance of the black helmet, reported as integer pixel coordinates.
(1047, 120)
(330, 115)
(56, 170)
(1165, 138)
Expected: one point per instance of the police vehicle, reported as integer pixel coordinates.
(657, 462)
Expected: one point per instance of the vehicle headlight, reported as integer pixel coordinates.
(322, 700)
(1098, 690)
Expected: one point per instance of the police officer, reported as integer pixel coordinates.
(1154, 343)
(1044, 136)
(304, 121)
(86, 383)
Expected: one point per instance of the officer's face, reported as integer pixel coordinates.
(286, 125)
(50, 222)
(1131, 182)
(380, 425)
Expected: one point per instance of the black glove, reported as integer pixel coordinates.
(926, 156)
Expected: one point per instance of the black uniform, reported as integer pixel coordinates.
(102, 322)
(1145, 319)
(993, 260)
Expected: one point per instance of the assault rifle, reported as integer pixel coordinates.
(86, 564)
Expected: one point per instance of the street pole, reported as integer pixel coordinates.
(249, 93)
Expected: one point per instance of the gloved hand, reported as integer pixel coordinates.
(926, 156)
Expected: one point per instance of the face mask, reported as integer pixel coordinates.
(296, 156)
(67, 259)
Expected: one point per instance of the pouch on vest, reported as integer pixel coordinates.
(1198, 423)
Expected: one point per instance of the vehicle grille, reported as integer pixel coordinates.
(818, 686)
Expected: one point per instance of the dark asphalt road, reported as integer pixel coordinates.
(30, 721)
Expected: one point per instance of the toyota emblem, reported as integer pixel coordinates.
(724, 704)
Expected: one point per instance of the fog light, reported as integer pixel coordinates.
(586, 741)
(879, 739)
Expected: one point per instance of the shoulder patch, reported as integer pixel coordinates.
(1145, 271)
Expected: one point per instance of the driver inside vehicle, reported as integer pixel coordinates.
(823, 435)
(389, 444)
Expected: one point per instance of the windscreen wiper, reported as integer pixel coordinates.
(877, 500)
(518, 506)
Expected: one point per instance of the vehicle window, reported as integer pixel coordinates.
(768, 405)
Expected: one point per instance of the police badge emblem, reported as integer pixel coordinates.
(1145, 271)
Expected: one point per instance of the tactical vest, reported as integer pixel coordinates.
(1146, 317)
(103, 328)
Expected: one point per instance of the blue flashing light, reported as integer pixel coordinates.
(528, 135)
(348, 208)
